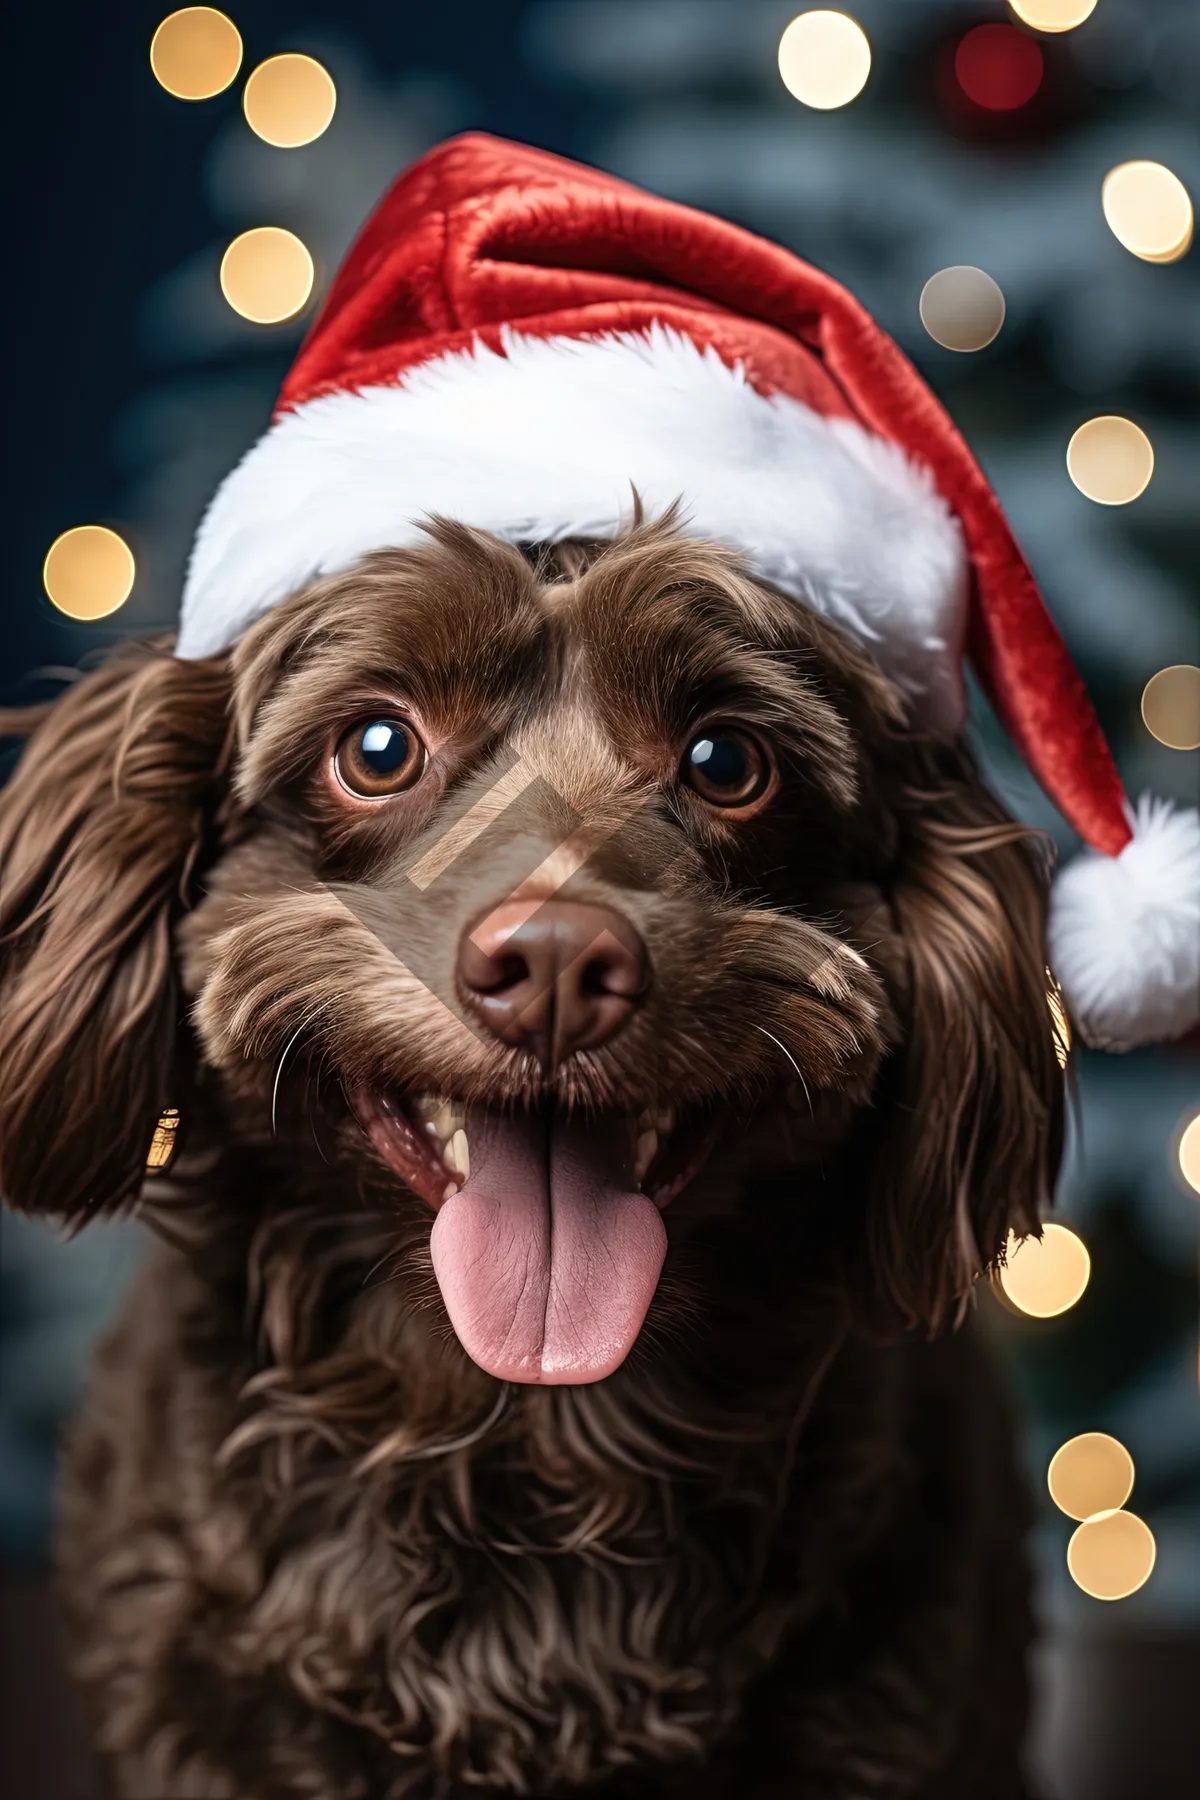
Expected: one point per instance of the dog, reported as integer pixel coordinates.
(607, 1040)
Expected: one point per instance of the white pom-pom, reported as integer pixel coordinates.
(1124, 932)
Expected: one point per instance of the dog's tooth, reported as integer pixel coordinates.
(447, 1119)
(644, 1153)
(664, 1121)
(645, 1121)
(457, 1154)
(449, 1191)
(427, 1106)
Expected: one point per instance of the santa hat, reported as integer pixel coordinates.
(517, 341)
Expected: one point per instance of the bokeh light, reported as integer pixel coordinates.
(1053, 15)
(1090, 1474)
(1111, 460)
(1148, 210)
(1189, 1153)
(267, 274)
(1045, 1276)
(289, 100)
(1112, 1556)
(196, 53)
(824, 59)
(998, 67)
(88, 572)
(962, 308)
(1171, 706)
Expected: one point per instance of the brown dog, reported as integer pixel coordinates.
(599, 908)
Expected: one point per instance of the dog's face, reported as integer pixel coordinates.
(555, 904)
(552, 887)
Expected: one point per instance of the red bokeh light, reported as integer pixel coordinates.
(998, 67)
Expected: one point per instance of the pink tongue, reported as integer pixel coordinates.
(546, 1264)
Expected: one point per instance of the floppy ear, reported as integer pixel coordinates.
(101, 828)
(970, 1107)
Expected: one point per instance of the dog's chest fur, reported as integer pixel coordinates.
(584, 1588)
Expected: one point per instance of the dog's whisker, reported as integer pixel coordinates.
(311, 1113)
(278, 1076)
(303, 1026)
(792, 1060)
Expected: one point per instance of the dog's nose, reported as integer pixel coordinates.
(555, 977)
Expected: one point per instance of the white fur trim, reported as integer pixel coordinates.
(1124, 934)
(545, 442)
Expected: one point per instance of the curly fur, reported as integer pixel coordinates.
(308, 1548)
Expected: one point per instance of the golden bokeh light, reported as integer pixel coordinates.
(1112, 1556)
(196, 53)
(962, 308)
(162, 1144)
(1053, 15)
(824, 59)
(88, 572)
(1089, 1475)
(1189, 1153)
(1045, 1276)
(289, 100)
(1171, 706)
(267, 274)
(1111, 460)
(1148, 210)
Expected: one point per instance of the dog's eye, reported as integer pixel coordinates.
(726, 767)
(378, 758)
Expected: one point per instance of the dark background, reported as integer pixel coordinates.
(133, 389)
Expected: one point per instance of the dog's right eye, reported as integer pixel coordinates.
(379, 757)
(727, 768)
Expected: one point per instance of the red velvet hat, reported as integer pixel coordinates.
(518, 341)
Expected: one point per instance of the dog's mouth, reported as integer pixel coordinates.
(548, 1240)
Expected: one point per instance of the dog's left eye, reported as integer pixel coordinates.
(378, 758)
(727, 767)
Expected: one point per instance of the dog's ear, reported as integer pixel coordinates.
(101, 828)
(970, 1107)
